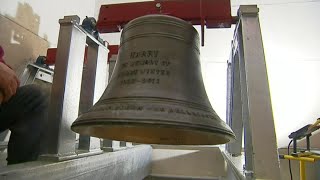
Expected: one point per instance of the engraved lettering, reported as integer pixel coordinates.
(132, 55)
(155, 53)
(165, 63)
(148, 62)
(143, 54)
(124, 65)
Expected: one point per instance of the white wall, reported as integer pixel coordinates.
(29, 27)
(187, 162)
(290, 34)
(48, 12)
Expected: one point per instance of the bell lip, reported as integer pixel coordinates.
(227, 136)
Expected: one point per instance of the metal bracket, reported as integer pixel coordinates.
(66, 89)
(247, 78)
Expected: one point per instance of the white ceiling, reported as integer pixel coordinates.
(290, 30)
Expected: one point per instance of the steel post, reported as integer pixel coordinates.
(64, 105)
(261, 150)
(302, 170)
(234, 103)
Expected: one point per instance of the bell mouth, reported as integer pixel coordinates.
(153, 133)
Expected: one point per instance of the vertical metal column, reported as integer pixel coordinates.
(93, 85)
(28, 75)
(234, 103)
(261, 153)
(66, 86)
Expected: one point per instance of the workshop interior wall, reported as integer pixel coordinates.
(187, 162)
(29, 27)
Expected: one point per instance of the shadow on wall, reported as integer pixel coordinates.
(19, 37)
(196, 163)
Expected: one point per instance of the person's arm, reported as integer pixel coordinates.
(9, 82)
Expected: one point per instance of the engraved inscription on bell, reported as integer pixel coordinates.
(144, 67)
(156, 93)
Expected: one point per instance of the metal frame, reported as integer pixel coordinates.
(33, 72)
(248, 95)
(247, 76)
(132, 164)
(212, 14)
(78, 84)
(67, 92)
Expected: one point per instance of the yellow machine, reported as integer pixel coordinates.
(304, 156)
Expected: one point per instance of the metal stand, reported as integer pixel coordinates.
(249, 103)
(33, 72)
(66, 89)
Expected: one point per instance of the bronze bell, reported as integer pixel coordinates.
(156, 93)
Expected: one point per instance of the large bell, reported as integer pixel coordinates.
(156, 93)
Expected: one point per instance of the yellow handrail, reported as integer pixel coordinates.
(303, 158)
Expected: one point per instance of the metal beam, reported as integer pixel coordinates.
(215, 14)
(131, 164)
(234, 103)
(65, 95)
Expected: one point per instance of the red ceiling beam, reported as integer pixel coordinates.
(52, 53)
(209, 13)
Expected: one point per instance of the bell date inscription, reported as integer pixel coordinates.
(157, 109)
(144, 67)
(142, 81)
